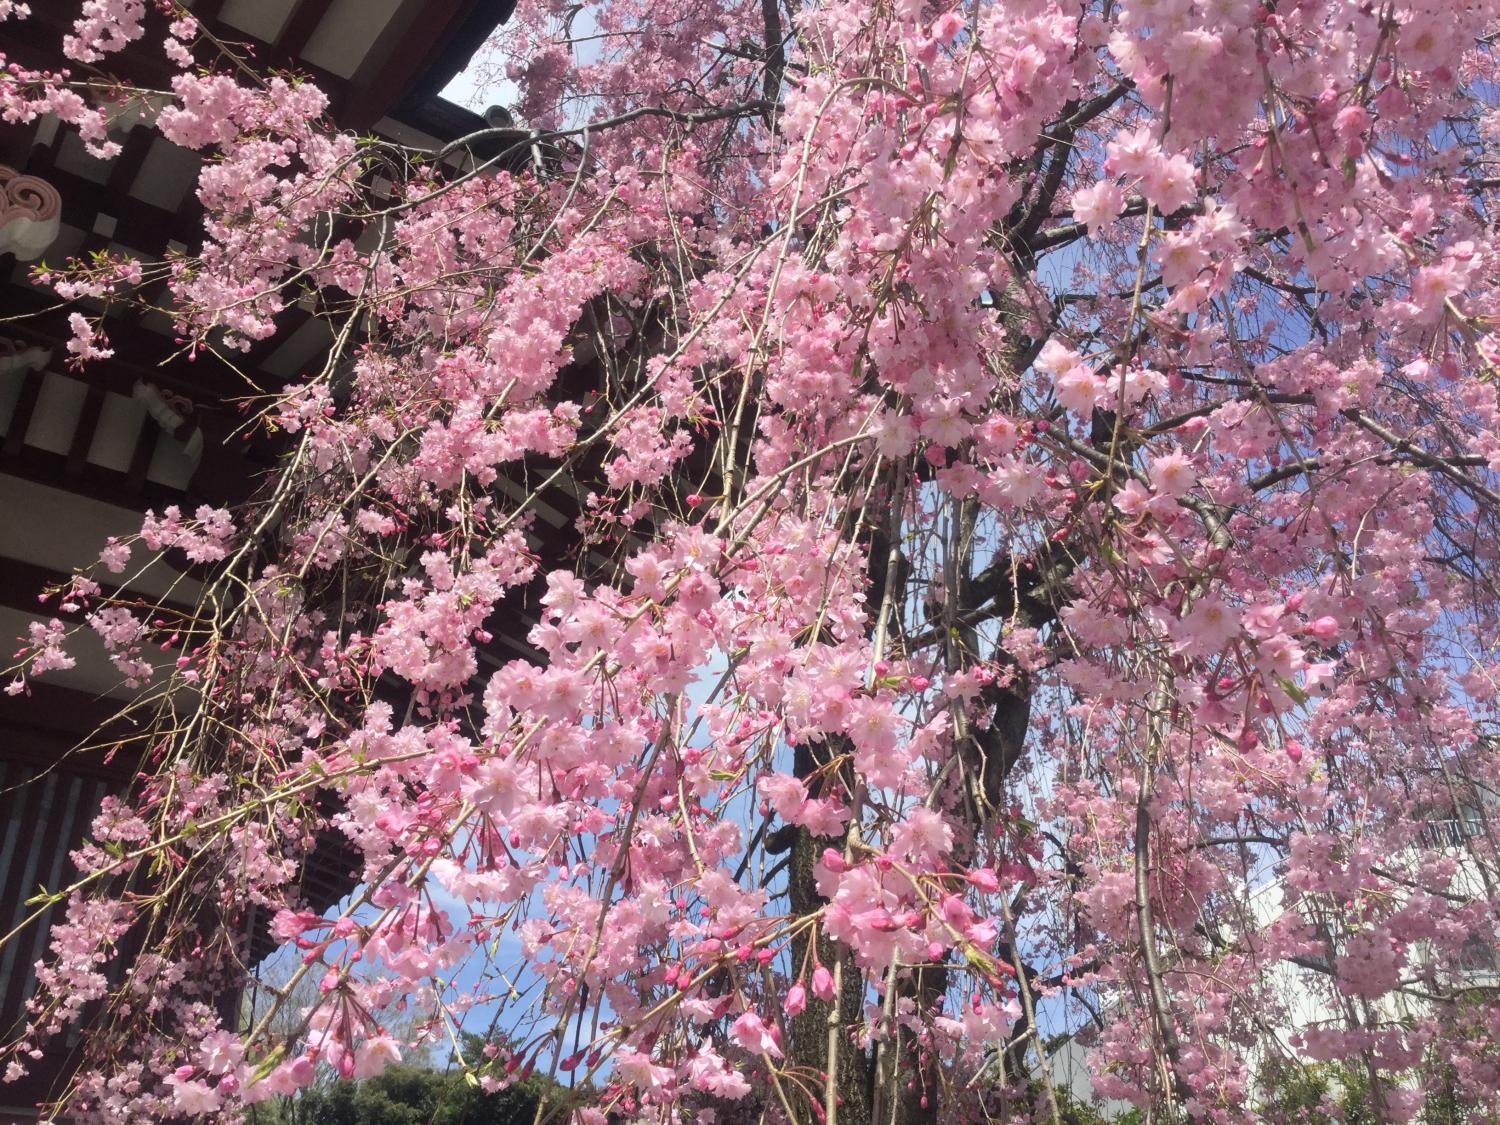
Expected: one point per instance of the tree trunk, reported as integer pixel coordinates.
(809, 1031)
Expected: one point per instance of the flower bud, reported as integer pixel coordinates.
(822, 983)
(796, 1000)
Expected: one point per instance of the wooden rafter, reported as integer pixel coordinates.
(300, 25)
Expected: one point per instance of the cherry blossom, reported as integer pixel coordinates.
(909, 532)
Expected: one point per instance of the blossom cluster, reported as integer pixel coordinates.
(915, 529)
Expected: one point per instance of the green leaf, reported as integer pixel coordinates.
(1297, 695)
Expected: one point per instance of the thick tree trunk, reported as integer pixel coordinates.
(810, 1030)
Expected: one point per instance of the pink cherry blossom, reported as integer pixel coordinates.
(754, 1035)
(1098, 205)
(884, 533)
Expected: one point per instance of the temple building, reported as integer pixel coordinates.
(83, 455)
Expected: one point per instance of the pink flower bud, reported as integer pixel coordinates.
(835, 862)
(822, 983)
(796, 1000)
(301, 1071)
(984, 879)
(1324, 629)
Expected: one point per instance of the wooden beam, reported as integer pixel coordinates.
(424, 44)
(20, 418)
(95, 481)
(17, 141)
(138, 224)
(405, 47)
(37, 43)
(287, 321)
(127, 166)
(299, 27)
(140, 458)
(465, 36)
(139, 353)
(228, 471)
(226, 474)
(22, 584)
(86, 429)
(65, 711)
